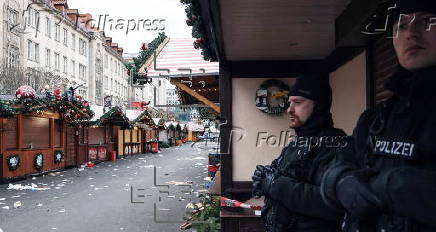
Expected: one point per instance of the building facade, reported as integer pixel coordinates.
(48, 36)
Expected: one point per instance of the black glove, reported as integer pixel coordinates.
(263, 179)
(257, 177)
(355, 194)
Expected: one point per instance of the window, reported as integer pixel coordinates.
(56, 61)
(73, 68)
(65, 37)
(47, 27)
(12, 18)
(105, 82)
(106, 61)
(36, 52)
(82, 72)
(112, 66)
(82, 47)
(13, 56)
(65, 65)
(57, 32)
(98, 67)
(47, 58)
(33, 18)
(73, 41)
(37, 20)
(30, 19)
(32, 51)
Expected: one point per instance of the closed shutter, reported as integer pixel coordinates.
(384, 65)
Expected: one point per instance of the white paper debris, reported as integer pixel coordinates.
(5, 207)
(20, 187)
(17, 204)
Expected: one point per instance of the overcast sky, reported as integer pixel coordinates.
(172, 11)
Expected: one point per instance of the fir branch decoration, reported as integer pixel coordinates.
(144, 55)
(193, 13)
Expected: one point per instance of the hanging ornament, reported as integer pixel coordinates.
(25, 91)
(13, 162)
(86, 104)
(39, 161)
(58, 155)
(57, 93)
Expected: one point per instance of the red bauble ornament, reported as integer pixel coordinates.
(25, 91)
(144, 46)
(57, 93)
(199, 40)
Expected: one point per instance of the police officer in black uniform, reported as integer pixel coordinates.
(387, 181)
(291, 183)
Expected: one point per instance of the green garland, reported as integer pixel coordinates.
(193, 12)
(104, 119)
(71, 109)
(144, 55)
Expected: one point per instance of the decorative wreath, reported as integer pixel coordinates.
(58, 155)
(13, 162)
(39, 161)
(272, 97)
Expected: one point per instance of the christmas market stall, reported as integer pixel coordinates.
(129, 139)
(33, 130)
(160, 127)
(194, 131)
(149, 138)
(162, 133)
(184, 133)
(171, 132)
(97, 139)
(178, 134)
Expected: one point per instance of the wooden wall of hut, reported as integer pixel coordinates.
(26, 136)
(129, 141)
(86, 144)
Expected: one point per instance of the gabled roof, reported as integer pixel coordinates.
(144, 118)
(181, 54)
(159, 122)
(114, 116)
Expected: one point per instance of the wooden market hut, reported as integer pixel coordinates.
(184, 132)
(250, 53)
(162, 131)
(160, 127)
(178, 134)
(194, 131)
(171, 133)
(149, 131)
(95, 140)
(33, 133)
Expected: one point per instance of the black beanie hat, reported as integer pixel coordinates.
(315, 87)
